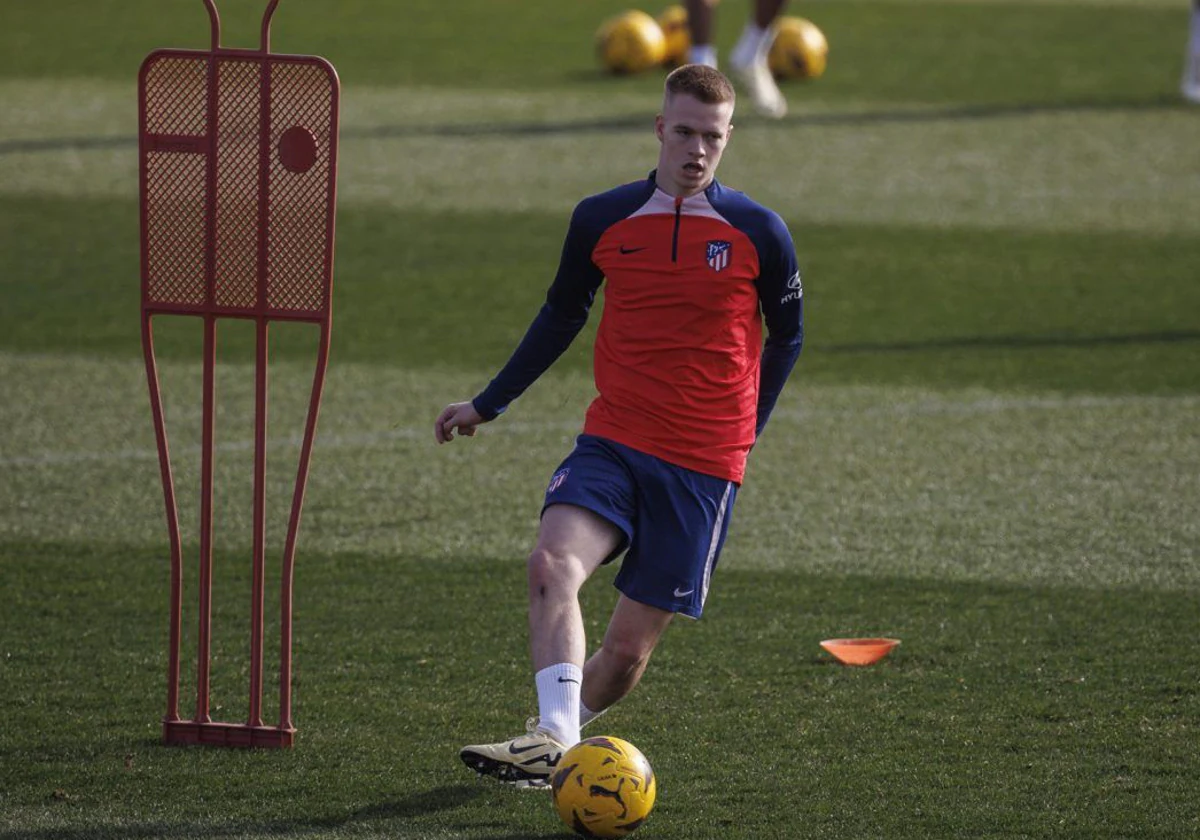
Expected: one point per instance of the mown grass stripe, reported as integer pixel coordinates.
(519, 428)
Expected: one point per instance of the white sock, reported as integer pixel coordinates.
(752, 46)
(558, 701)
(705, 54)
(586, 715)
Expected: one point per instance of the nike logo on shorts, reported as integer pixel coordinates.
(679, 594)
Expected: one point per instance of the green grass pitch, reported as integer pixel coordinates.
(990, 447)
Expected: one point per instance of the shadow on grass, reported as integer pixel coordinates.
(445, 798)
(642, 122)
(1006, 342)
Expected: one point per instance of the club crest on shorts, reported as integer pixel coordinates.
(557, 479)
(718, 253)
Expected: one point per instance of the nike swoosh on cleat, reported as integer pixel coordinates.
(625, 250)
(515, 750)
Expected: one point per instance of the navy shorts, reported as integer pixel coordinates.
(674, 519)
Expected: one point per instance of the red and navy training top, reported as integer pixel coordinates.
(680, 363)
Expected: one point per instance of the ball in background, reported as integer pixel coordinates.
(631, 42)
(603, 787)
(674, 25)
(799, 50)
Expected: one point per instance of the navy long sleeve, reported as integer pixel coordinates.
(547, 338)
(778, 358)
(568, 302)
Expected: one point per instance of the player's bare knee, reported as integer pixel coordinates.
(551, 571)
(627, 653)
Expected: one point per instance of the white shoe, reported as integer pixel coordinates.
(757, 80)
(525, 761)
(1190, 86)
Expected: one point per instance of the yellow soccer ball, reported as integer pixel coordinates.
(630, 43)
(603, 787)
(674, 25)
(799, 50)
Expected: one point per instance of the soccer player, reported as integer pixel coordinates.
(1190, 85)
(749, 56)
(686, 383)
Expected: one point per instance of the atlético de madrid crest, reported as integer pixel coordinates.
(557, 479)
(718, 253)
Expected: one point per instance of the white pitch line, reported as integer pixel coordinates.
(991, 405)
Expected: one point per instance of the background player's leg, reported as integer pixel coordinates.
(749, 59)
(755, 41)
(765, 12)
(700, 14)
(614, 670)
(1190, 86)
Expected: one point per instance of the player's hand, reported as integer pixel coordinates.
(461, 417)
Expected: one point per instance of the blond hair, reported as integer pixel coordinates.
(707, 84)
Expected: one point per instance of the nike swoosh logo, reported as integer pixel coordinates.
(679, 594)
(515, 750)
(568, 679)
(625, 250)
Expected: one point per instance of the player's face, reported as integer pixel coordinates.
(693, 135)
